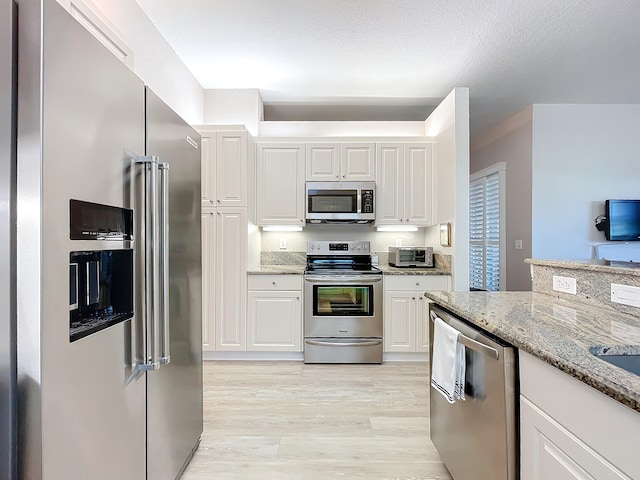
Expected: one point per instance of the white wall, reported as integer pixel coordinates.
(342, 129)
(241, 106)
(154, 60)
(582, 155)
(449, 125)
(511, 142)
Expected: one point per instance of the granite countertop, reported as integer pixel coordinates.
(626, 268)
(557, 331)
(278, 270)
(389, 270)
(299, 270)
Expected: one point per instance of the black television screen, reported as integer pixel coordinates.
(623, 218)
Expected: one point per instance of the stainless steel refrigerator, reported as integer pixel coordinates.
(108, 263)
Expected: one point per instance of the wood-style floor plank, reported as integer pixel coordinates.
(288, 420)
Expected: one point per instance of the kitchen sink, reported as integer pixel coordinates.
(627, 358)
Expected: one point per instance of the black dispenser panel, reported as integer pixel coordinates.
(100, 290)
(93, 221)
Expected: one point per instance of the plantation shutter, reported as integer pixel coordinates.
(484, 233)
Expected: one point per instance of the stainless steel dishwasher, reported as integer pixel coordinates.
(477, 438)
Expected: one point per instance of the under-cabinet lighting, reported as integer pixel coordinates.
(397, 228)
(282, 228)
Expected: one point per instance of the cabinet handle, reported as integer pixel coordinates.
(337, 176)
(297, 298)
(218, 200)
(413, 298)
(210, 200)
(402, 219)
(343, 176)
(418, 284)
(274, 283)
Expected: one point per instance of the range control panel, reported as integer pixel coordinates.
(355, 247)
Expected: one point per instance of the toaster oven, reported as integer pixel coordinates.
(411, 257)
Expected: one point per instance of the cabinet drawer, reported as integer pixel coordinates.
(275, 282)
(416, 282)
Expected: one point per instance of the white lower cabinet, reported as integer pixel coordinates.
(274, 316)
(570, 431)
(230, 268)
(208, 277)
(406, 319)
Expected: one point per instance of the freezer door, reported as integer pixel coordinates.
(81, 123)
(174, 391)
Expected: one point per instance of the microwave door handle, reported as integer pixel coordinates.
(151, 246)
(165, 355)
(359, 200)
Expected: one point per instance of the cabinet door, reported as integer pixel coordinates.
(323, 162)
(231, 169)
(231, 278)
(358, 162)
(399, 321)
(274, 321)
(418, 189)
(422, 323)
(208, 168)
(390, 183)
(549, 451)
(208, 287)
(280, 184)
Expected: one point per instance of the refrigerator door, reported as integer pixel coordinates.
(174, 391)
(8, 394)
(80, 124)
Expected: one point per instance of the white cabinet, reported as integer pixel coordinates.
(404, 189)
(230, 268)
(224, 168)
(208, 276)
(569, 430)
(352, 162)
(406, 320)
(280, 184)
(274, 316)
(231, 169)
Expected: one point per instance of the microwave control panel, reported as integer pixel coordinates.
(367, 201)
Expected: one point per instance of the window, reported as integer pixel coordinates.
(486, 229)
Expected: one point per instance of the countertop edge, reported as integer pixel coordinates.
(615, 390)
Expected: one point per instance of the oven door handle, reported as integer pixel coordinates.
(366, 343)
(333, 279)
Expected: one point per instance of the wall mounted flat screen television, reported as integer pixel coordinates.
(623, 220)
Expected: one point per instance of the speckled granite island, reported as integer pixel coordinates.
(564, 329)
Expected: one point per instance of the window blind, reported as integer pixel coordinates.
(484, 233)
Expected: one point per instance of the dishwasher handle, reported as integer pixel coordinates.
(473, 344)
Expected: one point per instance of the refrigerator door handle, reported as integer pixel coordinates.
(151, 252)
(165, 355)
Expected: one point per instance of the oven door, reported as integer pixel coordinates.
(343, 306)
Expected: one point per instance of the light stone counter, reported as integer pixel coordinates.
(278, 270)
(389, 270)
(558, 331)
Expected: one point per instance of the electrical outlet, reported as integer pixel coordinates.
(564, 284)
(398, 242)
(625, 294)
(283, 244)
(518, 244)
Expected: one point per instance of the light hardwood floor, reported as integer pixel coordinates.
(288, 420)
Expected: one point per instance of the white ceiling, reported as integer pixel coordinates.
(396, 59)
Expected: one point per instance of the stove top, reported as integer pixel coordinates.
(340, 258)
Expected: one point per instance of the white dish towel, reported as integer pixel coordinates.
(448, 369)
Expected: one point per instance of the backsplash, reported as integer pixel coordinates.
(441, 261)
(593, 281)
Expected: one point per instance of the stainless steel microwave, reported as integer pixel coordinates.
(411, 256)
(340, 202)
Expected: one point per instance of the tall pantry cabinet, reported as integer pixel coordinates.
(224, 238)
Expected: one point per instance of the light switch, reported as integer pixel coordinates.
(283, 243)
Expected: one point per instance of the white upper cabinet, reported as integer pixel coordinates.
(358, 162)
(349, 162)
(404, 189)
(231, 169)
(208, 168)
(323, 162)
(224, 168)
(280, 183)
